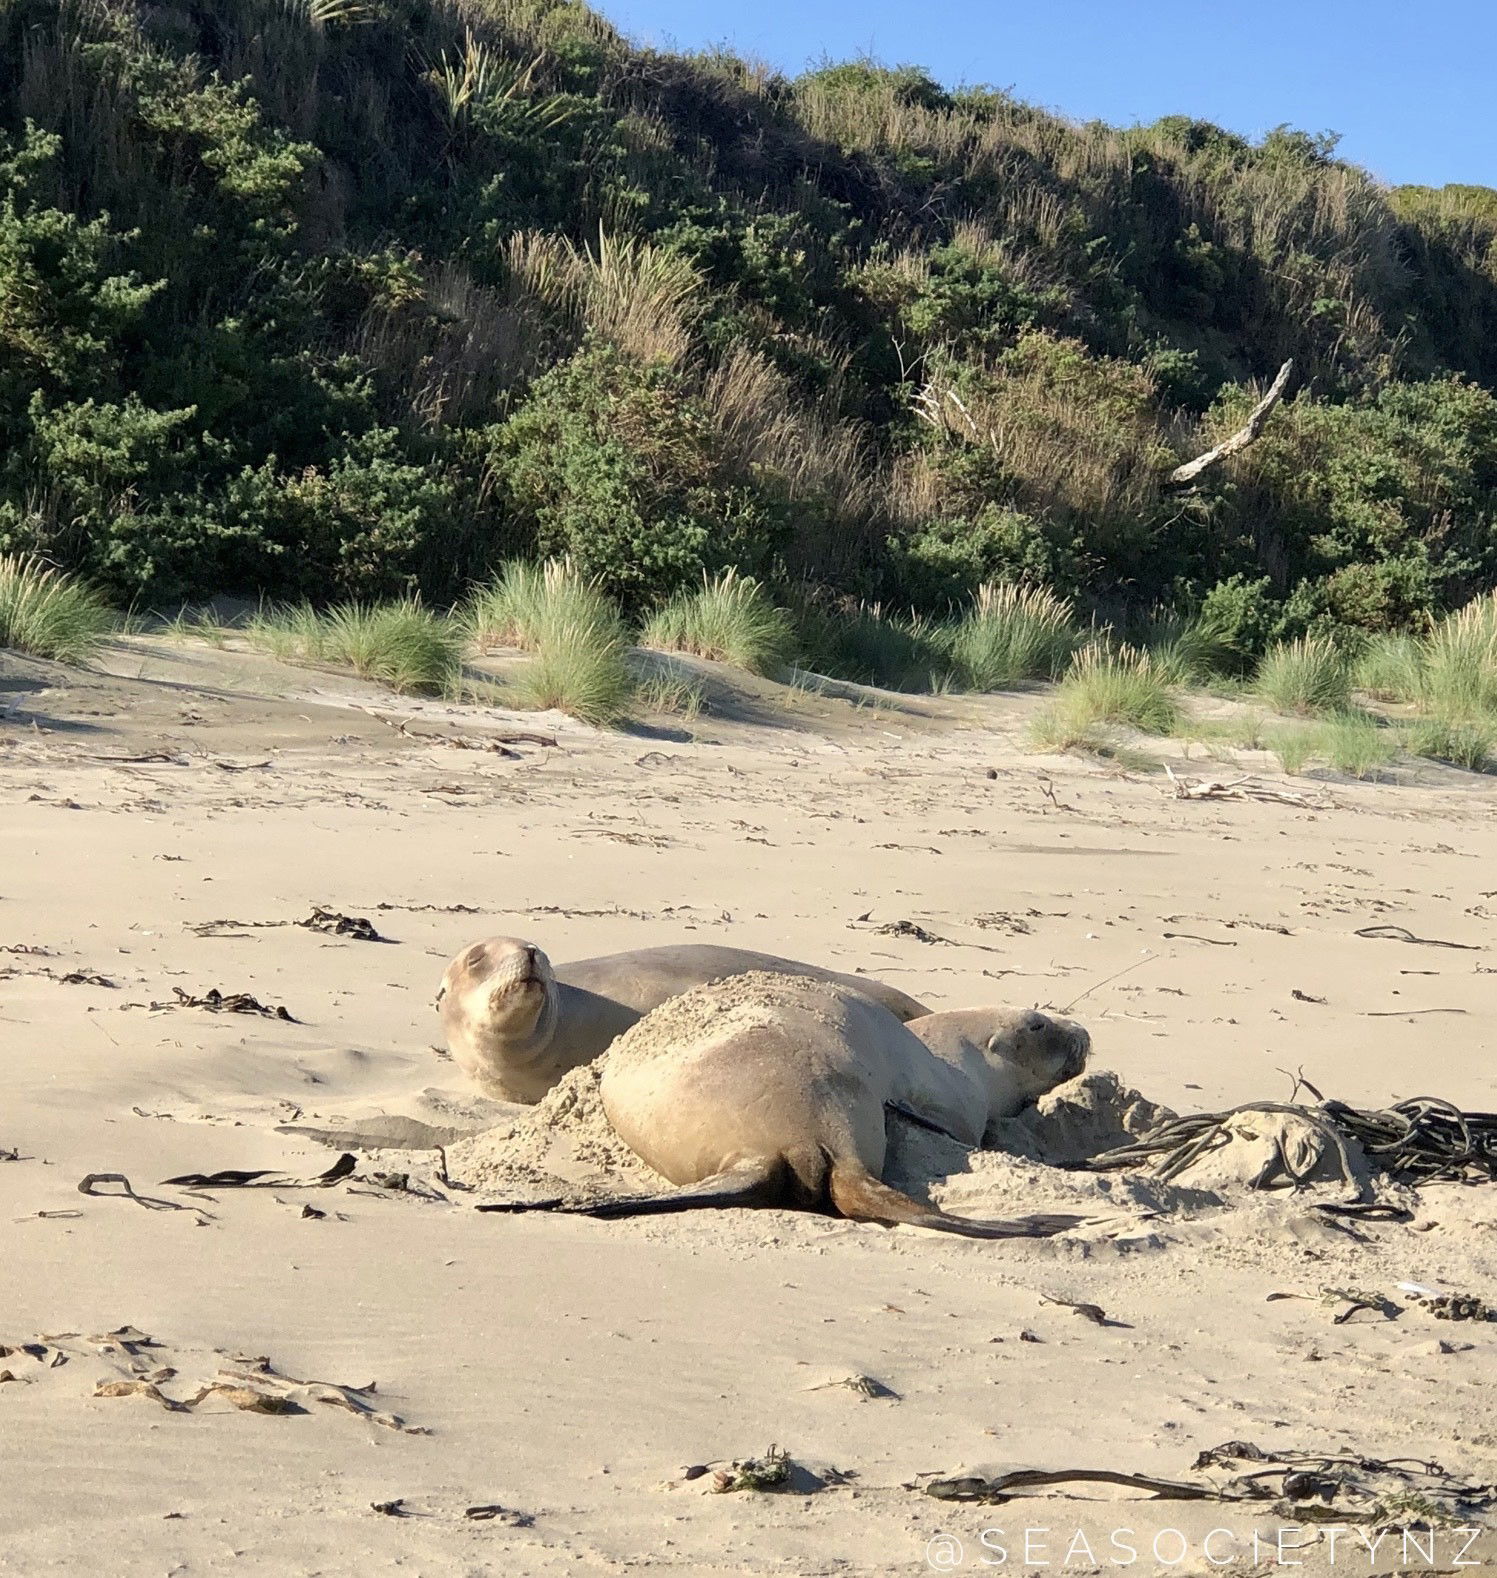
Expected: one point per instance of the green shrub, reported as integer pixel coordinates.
(48, 614)
(731, 619)
(611, 463)
(1011, 634)
(1311, 675)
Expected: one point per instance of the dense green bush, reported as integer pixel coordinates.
(359, 300)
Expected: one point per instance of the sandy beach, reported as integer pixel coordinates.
(172, 812)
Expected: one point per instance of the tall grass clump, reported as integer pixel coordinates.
(1391, 668)
(1357, 744)
(401, 644)
(1293, 744)
(870, 647)
(1311, 675)
(47, 613)
(1110, 686)
(1011, 634)
(573, 631)
(526, 599)
(729, 618)
(1467, 742)
(579, 667)
(1460, 662)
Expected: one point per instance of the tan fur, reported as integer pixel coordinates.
(515, 1025)
(775, 1090)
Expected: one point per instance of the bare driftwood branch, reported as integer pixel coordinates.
(1183, 475)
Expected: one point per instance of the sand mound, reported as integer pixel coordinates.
(565, 1141)
(741, 1002)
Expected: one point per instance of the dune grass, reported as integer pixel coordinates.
(1390, 668)
(1308, 676)
(1460, 663)
(400, 644)
(526, 599)
(869, 647)
(1461, 742)
(1357, 744)
(1293, 744)
(730, 618)
(1011, 634)
(1115, 685)
(1190, 650)
(573, 631)
(673, 694)
(579, 667)
(47, 613)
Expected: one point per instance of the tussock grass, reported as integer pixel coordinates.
(1293, 744)
(579, 668)
(1466, 742)
(47, 613)
(1460, 663)
(1115, 686)
(526, 600)
(1357, 744)
(1012, 634)
(870, 647)
(400, 644)
(731, 619)
(672, 694)
(1391, 668)
(1308, 676)
(1189, 650)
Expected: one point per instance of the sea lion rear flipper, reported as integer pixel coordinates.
(861, 1197)
(759, 1182)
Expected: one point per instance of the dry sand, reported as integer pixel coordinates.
(568, 1370)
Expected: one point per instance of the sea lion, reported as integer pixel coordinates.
(768, 1090)
(515, 1023)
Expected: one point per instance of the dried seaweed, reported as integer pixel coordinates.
(338, 925)
(1422, 1140)
(217, 1002)
(266, 1178)
(1308, 1486)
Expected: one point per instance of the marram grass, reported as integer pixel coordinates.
(729, 618)
(1311, 675)
(47, 613)
(1011, 634)
(400, 644)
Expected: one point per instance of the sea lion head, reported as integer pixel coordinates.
(498, 1008)
(1023, 1052)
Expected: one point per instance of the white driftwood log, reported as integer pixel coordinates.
(1239, 440)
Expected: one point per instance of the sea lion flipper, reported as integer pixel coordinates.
(861, 1197)
(759, 1182)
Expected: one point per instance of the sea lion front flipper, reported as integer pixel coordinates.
(861, 1197)
(760, 1182)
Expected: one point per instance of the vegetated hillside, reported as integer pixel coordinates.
(354, 297)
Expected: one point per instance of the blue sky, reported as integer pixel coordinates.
(1411, 86)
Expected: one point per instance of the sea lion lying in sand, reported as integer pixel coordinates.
(772, 1090)
(515, 1024)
